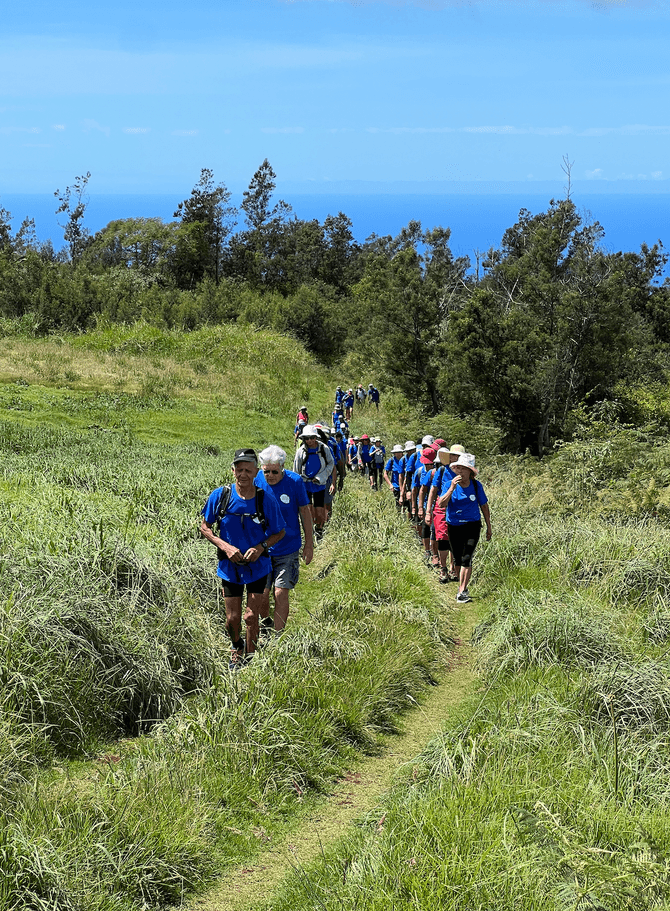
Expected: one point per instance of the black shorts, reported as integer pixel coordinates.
(317, 498)
(235, 590)
(463, 540)
(425, 531)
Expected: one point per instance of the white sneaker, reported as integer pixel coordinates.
(463, 597)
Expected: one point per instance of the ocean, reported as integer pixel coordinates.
(477, 220)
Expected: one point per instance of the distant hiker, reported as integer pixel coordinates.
(466, 502)
(341, 462)
(348, 403)
(291, 494)
(302, 419)
(394, 466)
(373, 396)
(249, 522)
(361, 394)
(315, 464)
(378, 454)
(408, 467)
(339, 395)
(352, 453)
(365, 456)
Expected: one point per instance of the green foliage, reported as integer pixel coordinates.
(549, 326)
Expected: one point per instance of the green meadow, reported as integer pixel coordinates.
(134, 768)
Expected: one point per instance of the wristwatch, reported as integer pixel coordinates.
(264, 545)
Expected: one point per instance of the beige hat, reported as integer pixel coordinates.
(443, 455)
(466, 460)
(457, 449)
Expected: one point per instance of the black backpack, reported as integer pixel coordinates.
(222, 508)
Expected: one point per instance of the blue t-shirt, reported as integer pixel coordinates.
(420, 479)
(240, 528)
(443, 479)
(411, 462)
(291, 494)
(464, 503)
(394, 466)
(364, 453)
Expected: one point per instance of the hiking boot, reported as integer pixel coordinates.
(237, 655)
(463, 597)
(444, 575)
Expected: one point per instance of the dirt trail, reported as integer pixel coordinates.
(245, 888)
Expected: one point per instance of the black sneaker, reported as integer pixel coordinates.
(237, 655)
(463, 597)
(266, 627)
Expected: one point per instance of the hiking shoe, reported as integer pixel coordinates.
(266, 627)
(444, 575)
(237, 655)
(463, 597)
(453, 577)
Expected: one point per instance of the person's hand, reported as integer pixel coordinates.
(234, 554)
(254, 553)
(428, 517)
(457, 480)
(308, 553)
(489, 533)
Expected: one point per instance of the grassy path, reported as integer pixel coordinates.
(247, 888)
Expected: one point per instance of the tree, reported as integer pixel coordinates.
(546, 328)
(73, 203)
(255, 248)
(402, 299)
(208, 219)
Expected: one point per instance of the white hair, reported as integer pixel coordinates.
(273, 455)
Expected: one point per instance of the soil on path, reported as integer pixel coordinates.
(250, 887)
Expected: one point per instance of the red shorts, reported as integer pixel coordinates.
(440, 523)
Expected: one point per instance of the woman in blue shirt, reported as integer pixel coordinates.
(465, 502)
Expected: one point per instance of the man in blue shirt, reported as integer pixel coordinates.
(290, 492)
(243, 540)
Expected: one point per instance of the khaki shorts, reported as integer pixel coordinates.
(285, 570)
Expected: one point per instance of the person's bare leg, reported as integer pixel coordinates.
(254, 603)
(281, 608)
(466, 572)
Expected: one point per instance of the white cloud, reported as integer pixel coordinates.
(657, 175)
(58, 126)
(136, 130)
(89, 125)
(595, 174)
(282, 129)
(8, 130)
(185, 132)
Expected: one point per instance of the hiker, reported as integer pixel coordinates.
(352, 453)
(365, 457)
(291, 494)
(249, 524)
(438, 514)
(406, 473)
(420, 491)
(341, 461)
(394, 465)
(339, 395)
(348, 403)
(315, 465)
(373, 396)
(361, 394)
(378, 454)
(466, 502)
(301, 420)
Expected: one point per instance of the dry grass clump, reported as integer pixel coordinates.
(541, 629)
(629, 695)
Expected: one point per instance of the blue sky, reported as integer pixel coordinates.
(145, 95)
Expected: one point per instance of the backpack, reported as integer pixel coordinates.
(322, 453)
(222, 508)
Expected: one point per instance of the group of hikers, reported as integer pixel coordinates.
(261, 521)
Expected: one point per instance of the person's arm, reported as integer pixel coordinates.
(444, 499)
(233, 553)
(255, 553)
(308, 527)
(486, 512)
(387, 479)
